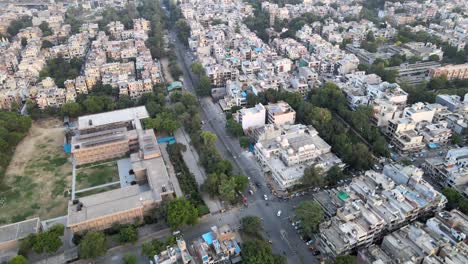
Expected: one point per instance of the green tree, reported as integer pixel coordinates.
(346, 259)
(434, 57)
(456, 139)
(227, 190)
(234, 128)
(18, 260)
(204, 86)
(244, 142)
(334, 175)
(197, 68)
(258, 252)
(18, 24)
(252, 225)
(152, 248)
(128, 234)
(310, 214)
(93, 245)
(181, 212)
(46, 44)
(208, 138)
(71, 109)
(92, 104)
(313, 176)
(241, 182)
(46, 30)
(130, 259)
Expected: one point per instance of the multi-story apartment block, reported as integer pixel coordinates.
(451, 171)
(403, 135)
(437, 241)
(376, 203)
(280, 113)
(251, 117)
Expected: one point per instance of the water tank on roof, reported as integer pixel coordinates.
(290, 151)
(301, 149)
(278, 139)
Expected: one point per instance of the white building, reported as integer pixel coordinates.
(286, 151)
(252, 117)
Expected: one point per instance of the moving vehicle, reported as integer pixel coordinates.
(265, 197)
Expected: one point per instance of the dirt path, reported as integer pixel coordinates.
(167, 74)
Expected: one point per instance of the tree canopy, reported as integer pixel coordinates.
(259, 252)
(252, 225)
(310, 214)
(18, 24)
(61, 70)
(93, 245)
(181, 212)
(18, 260)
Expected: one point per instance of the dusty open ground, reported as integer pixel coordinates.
(39, 175)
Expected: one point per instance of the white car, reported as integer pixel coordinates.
(265, 197)
(279, 213)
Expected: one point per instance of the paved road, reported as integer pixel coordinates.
(279, 231)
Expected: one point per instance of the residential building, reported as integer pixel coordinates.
(374, 204)
(403, 135)
(251, 117)
(280, 113)
(450, 171)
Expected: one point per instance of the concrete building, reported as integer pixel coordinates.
(414, 73)
(11, 234)
(285, 152)
(251, 117)
(375, 204)
(403, 135)
(280, 113)
(451, 171)
(110, 135)
(453, 103)
(439, 240)
(217, 246)
(458, 71)
(419, 112)
(107, 135)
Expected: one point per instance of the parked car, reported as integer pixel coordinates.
(265, 197)
(279, 213)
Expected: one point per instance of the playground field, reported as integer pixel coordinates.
(39, 175)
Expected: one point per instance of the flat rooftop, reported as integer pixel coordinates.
(19, 230)
(108, 203)
(117, 116)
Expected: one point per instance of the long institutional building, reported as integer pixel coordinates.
(112, 135)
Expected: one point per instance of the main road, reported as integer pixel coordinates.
(278, 229)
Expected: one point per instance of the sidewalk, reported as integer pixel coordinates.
(191, 158)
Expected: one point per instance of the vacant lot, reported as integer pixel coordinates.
(91, 176)
(39, 175)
